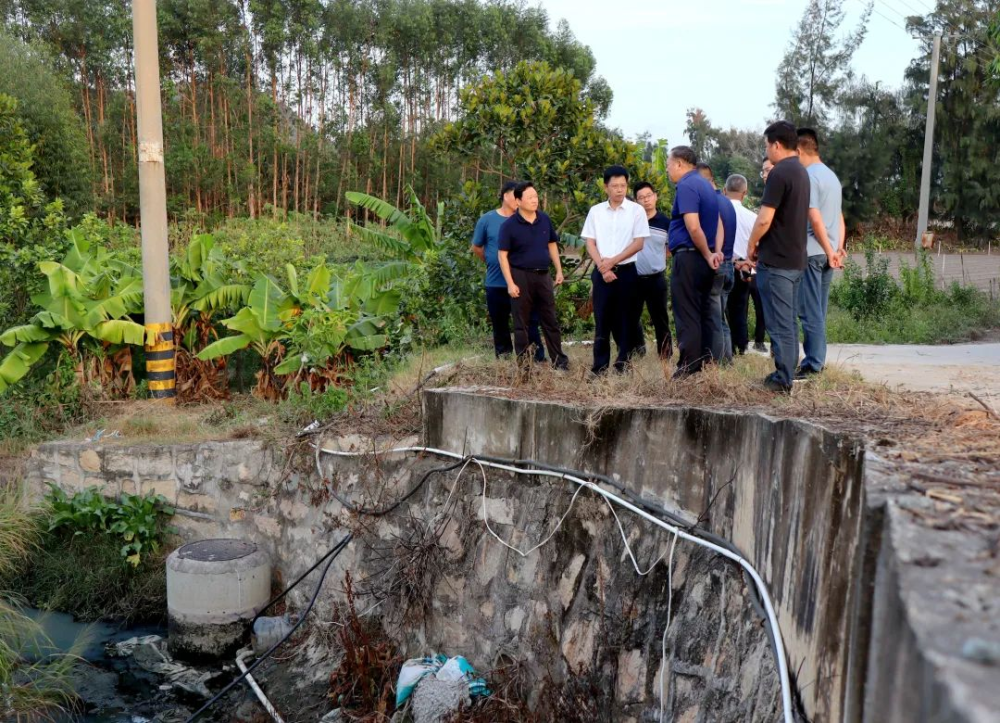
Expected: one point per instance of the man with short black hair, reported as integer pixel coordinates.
(695, 229)
(615, 232)
(721, 344)
(484, 246)
(778, 246)
(738, 302)
(528, 246)
(824, 235)
(651, 265)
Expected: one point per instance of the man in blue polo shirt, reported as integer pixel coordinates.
(721, 343)
(484, 245)
(528, 245)
(695, 229)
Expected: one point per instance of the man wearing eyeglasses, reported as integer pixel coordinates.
(615, 232)
(651, 265)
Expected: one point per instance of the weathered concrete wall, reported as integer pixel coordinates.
(789, 495)
(876, 609)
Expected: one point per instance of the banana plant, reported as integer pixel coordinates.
(410, 236)
(86, 310)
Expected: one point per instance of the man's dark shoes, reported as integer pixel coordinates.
(771, 384)
(802, 375)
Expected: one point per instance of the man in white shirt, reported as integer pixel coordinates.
(615, 231)
(737, 306)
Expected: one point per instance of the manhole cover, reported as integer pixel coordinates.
(216, 550)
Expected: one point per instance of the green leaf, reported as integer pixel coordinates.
(25, 333)
(293, 280)
(121, 331)
(226, 296)
(291, 364)
(318, 281)
(224, 347)
(245, 322)
(19, 362)
(390, 243)
(265, 300)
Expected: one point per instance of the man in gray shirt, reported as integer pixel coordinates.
(651, 265)
(823, 242)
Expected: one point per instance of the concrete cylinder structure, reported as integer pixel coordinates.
(214, 589)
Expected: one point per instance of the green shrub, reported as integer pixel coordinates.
(83, 575)
(866, 294)
(136, 522)
(917, 283)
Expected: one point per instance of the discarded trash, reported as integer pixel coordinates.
(981, 651)
(150, 654)
(435, 701)
(309, 428)
(269, 630)
(445, 669)
(100, 434)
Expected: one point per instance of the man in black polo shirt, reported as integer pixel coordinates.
(528, 244)
(778, 246)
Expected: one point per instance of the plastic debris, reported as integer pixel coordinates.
(445, 669)
(100, 434)
(267, 631)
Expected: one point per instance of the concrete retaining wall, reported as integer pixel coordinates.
(826, 529)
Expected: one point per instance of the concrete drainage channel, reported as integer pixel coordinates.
(821, 522)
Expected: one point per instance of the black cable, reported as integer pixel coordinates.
(383, 511)
(332, 555)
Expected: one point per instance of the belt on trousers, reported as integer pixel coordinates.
(682, 249)
(652, 275)
(534, 271)
(616, 267)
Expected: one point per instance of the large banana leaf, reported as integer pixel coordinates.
(113, 307)
(318, 281)
(291, 364)
(226, 296)
(26, 333)
(245, 322)
(388, 242)
(225, 347)
(383, 303)
(365, 335)
(266, 299)
(120, 331)
(389, 272)
(293, 280)
(383, 209)
(19, 362)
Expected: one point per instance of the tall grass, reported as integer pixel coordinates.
(35, 682)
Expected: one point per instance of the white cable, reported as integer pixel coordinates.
(772, 618)
(256, 688)
(628, 548)
(666, 628)
(552, 534)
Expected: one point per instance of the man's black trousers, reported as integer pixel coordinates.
(616, 311)
(537, 296)
(498, 306)
(653, 294)
(691, 289)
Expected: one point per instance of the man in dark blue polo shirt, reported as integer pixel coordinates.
(721, 343)
(695, 229)
(778, 246)
(528, 246)
(484, 245)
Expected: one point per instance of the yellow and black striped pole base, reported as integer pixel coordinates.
(160, 361)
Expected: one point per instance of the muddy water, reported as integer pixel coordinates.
(111, 690)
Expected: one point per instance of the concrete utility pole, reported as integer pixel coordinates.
(153, 204)
(925, 173)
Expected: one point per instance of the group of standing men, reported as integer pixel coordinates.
(722, 253)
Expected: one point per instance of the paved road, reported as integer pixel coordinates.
(979, 270)
(957, 368)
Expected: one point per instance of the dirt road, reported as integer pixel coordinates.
(959, 368)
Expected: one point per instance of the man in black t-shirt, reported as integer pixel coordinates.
(778, 246)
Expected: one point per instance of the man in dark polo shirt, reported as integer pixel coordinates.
(721, 343)
(528, 245)
(651, 267)
(484, 246)
(778, 246)
(694, 230)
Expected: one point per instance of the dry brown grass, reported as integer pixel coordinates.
(912, 425)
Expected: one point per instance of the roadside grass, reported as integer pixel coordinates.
(34, 683)
(936, 323)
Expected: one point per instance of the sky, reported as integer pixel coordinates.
(662, 57)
